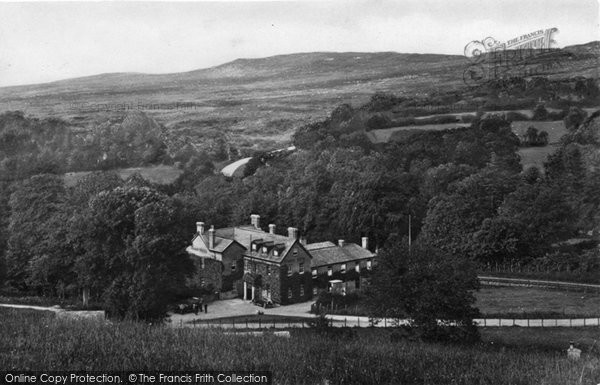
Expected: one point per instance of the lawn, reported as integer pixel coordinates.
(38, 341)
(531, 301)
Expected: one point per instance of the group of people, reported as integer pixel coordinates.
(198, 305)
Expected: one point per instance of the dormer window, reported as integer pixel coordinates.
(265, 250)
(369, 265)
(343, 268)
(253, 247)
(276, 253)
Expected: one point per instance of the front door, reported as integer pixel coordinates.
(249, 292)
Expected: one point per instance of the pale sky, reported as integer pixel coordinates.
(41, 42)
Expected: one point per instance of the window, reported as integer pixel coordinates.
(275, 253)
(315, 290)
(343, 267)
(289, 270)
(246, 266)
(202, 282)
(369, 265)
(295, 251)
(254, 267)
(253, 247)
(268, 270)
(233, 266)
(314, 273)
(357, 267)
(330, 270)
(301, 267)
(202, 263)
(265, 250)
(290, 293)
(301, 290)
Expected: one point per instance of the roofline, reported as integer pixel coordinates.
(339, 263)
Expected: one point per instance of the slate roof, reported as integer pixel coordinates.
(220, 243)
(327, 253)
(245, 235)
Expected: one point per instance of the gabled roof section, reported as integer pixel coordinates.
(327, 253)
(246, 235)
(221, 244)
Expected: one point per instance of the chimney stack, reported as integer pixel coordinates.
(341, 243)
(271, 228)
(211, 238)
(365, 243)
(255, 221)
(200, 227)
(292, 232)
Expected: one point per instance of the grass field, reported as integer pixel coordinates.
(555, 129)
(38, 341)
(532, 301)
(384, 135)
(160, 174)
(536, 156)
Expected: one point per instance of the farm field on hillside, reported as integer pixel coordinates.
(506, 356)
(384, 135)
(160, 174)
(555, 129)
(535, 156)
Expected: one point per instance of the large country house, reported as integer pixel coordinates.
(257, 265)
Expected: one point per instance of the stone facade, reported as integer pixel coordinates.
(269, 267)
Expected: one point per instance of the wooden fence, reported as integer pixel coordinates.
(559, 285)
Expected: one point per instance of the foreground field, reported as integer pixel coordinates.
(37, 341)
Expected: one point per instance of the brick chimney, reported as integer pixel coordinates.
(365, 243)
(211, 237)
(271, 228)
(200, 227)
(255, 221)
(341, 242)
(293, 232)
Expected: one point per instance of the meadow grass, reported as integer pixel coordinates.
(38, 341)
(529, 300)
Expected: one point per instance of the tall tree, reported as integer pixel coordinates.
(431, 289)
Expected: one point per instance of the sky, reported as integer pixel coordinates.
(47, 41)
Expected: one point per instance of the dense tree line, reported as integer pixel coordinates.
(463, 189)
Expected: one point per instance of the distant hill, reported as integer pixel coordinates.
(255, 103)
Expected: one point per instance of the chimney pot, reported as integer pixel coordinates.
(271, 228)
(292, 232)
(365, 242)
(200, 227)
(211, 237)
(255, 220)
(341, 243)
